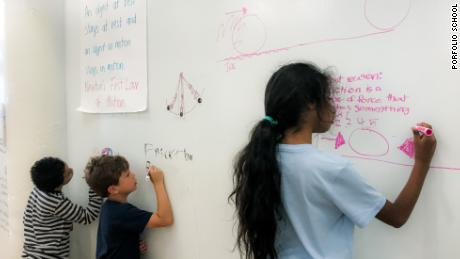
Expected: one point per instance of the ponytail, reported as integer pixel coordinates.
(257, 192)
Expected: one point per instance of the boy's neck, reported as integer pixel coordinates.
(122, 198)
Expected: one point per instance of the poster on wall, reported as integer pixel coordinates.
(113, 56)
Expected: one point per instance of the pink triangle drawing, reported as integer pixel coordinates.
(339, 141)
(408, 148)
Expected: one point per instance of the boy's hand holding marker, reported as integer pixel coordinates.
(155, 175)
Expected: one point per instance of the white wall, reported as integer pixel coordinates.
(35, 108)
(412, 54)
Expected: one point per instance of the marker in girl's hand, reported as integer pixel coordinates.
(424, 130)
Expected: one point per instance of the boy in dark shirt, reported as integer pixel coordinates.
(121, 223)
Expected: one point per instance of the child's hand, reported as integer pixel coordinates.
(142, 247)
(155, 174)
(424, 145)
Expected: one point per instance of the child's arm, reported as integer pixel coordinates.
(163, 216)
(67, 210)
(397, 213)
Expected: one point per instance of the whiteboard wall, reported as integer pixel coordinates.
(220, 54)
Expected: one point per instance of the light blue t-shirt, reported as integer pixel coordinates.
(323, 198)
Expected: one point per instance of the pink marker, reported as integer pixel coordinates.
(424, 130)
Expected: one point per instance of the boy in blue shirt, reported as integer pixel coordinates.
(121, 223)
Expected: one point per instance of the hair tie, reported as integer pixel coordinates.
(271, 120)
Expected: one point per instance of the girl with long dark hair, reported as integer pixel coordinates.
(294, 201)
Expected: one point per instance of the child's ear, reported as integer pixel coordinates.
(112, 189)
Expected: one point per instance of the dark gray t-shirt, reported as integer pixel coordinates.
(120, 226)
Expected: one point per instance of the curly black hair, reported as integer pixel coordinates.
(48, 173)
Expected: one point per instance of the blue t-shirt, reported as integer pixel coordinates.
(323, 198)
(120, 225)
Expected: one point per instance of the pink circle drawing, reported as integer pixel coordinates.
(375, 144)
(385, 15)
(249, 35)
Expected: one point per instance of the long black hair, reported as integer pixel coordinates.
(291, 91)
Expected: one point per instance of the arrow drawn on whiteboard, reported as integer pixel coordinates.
(339, 141)
(408, 148)
(243, 11)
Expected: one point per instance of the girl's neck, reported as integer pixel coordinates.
(303, 136)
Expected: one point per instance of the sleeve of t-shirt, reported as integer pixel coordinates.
(134, 219)
(359, 201)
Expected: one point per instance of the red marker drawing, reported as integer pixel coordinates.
(424, 130)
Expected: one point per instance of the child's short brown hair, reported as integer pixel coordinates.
(103, 171)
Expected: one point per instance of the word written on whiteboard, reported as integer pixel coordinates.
(113, 54)
(361, 100)
(167, 153)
